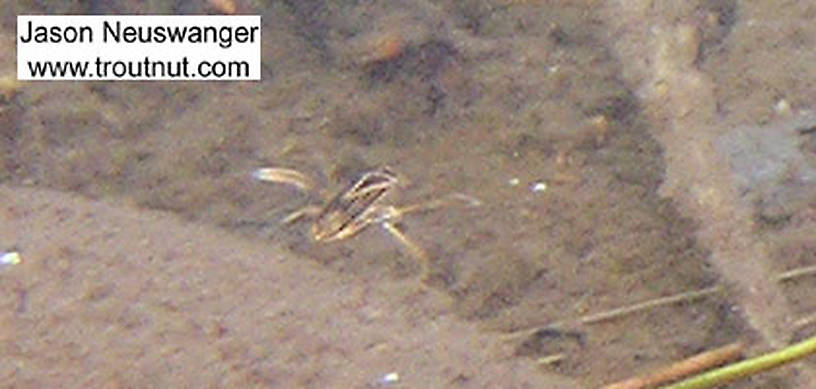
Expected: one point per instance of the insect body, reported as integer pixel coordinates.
(354, 208)
(358, 206)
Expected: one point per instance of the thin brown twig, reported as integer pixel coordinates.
(796, 273)
(615, 313)
(618, 312)
(681, 297)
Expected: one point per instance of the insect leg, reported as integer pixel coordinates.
(449, 200)
(283, 176)
(419, 254)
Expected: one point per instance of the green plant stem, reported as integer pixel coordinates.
(748, 367)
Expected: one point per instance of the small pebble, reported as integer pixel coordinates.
(226, 7)
(514, 181)
(10, 258)
(782, 107)
(390, 378)
(538, 187)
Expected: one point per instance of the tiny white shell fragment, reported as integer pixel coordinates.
(10, 258)
(538, 187)
(513, 181)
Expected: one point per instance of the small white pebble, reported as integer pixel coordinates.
(514, 181)
(782, 107)
(538, 187)
(390, 378)
(10, 258)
